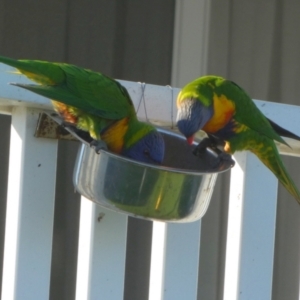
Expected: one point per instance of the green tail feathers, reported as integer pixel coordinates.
(41, 72)
(271, 158)
(59, 94)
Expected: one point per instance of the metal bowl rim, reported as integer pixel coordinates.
(162, 168)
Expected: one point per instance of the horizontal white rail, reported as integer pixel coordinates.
(156, 104)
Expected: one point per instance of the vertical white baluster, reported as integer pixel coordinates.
(30, 210)
(174, 261)
(101, 253)
(251, 230)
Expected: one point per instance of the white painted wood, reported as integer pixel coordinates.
(84, 248)
(30, 210)
(101, 253)
(174, 261)
(157, 261)
(251, 230)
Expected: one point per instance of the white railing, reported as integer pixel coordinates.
(102, 242)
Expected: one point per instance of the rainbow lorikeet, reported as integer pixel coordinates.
(230, 118)
(94, 103)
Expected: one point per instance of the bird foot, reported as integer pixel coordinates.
(98, 146)
(204, 144)
(213, 145)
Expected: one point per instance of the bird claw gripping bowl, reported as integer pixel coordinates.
(179, 190)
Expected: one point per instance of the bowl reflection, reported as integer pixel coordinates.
(179, 190)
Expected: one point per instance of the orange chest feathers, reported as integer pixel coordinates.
(65, 112)
(224, 109)
(113, 136)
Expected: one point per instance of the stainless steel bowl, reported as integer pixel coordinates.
(177, 191)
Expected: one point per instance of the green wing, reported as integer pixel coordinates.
(89, 91)
(246, 111)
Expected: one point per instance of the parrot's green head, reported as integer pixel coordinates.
(148, 148)
(195, 105)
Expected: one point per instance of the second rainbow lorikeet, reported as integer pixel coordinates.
(94, 103)
(231, 119)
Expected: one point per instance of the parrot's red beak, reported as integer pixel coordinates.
(190, 140)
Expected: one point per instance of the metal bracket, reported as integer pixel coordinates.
(48, 128)
(51, 126)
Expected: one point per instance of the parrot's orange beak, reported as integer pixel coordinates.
(190, 140)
